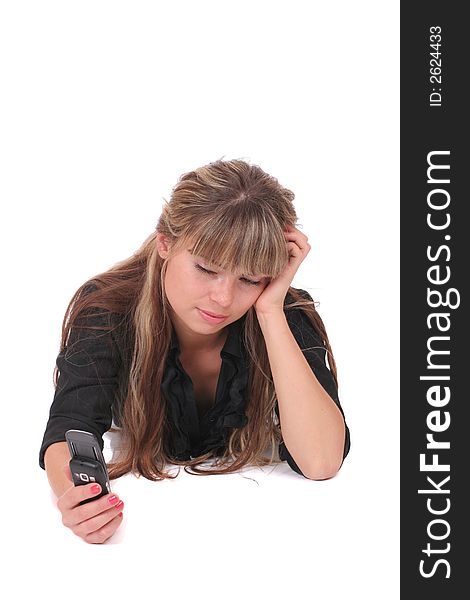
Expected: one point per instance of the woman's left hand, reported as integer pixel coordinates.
(273, 295)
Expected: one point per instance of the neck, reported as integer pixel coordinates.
(192, 343)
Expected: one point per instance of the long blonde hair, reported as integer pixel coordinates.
(234, 213)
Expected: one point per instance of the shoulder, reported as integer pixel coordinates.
(296, 302)
(292, 294)
(301, 324)
(92, 315)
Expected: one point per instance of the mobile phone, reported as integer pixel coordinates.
(87, 463)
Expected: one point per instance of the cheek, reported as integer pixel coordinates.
(193, 284)
(253, 295)
(181, 284)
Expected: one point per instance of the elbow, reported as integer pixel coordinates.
(327, 465)
(321, 470)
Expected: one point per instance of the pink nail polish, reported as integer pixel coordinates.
(113, 499)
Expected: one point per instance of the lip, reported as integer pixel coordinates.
(211, 318)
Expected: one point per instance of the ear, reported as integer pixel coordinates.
(163, 245)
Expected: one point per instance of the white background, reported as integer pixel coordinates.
(103, 106)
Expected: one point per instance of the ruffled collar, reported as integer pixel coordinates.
(191, 436)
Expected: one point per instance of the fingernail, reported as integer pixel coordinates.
(113, 499)
(95, 489)
(119, 504)
(120, 515)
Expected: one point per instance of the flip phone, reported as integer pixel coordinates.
(87, 463)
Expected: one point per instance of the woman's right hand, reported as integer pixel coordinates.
(94, 522)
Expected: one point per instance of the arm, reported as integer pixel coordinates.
(312, 425)
(88, 380)
(88, 367)
(57, 456)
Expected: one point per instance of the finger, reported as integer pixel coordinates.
(294, 250)
(295, 235)
(100, 536)
(92, 509)
(74, 495)
(100, 527)
(300, 240)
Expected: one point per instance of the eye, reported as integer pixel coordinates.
(244, 279)
(250, 282)
(204, 270)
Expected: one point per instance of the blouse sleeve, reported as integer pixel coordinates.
(88, 379)
(315, 353)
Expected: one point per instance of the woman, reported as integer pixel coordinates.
(197, 347)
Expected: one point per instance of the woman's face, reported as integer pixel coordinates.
(192, 285)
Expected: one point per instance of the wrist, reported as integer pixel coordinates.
(270, 316)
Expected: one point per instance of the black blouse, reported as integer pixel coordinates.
(90, 372)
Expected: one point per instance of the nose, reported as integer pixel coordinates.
(222, 292)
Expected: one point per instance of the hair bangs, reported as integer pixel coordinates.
(246, 246)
